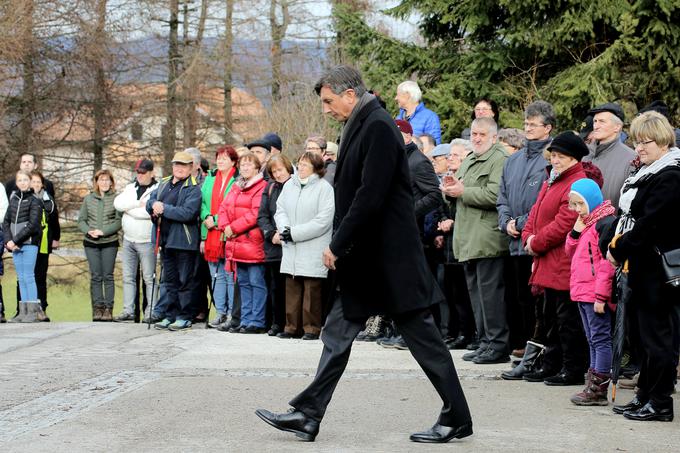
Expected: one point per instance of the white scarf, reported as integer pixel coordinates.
(630, 186)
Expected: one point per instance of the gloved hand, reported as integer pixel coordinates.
(285, 235)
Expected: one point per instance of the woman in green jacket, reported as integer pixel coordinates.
(100, 222)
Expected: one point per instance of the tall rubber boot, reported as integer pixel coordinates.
(532, 353)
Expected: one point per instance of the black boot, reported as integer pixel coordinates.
(532, 354)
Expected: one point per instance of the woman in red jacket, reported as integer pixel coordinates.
(244, 249)
(544, 235)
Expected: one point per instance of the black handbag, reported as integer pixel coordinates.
(670, 261)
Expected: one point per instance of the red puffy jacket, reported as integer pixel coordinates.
(239, 211)
(550, 220)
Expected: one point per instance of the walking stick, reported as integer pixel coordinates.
(156, 250)
(212, 297)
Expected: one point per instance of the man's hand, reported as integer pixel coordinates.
(11, 246)
(55, 244)
(439, 242)
(445, 225)
(157, 207)
(453, 190)
(329, 259)
(511, 228)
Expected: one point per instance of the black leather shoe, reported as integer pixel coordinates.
(538, 375)
(649, 413)
(470, 356)
(459, 342)
(293, 421)
(310, 336)
(440, 434)
(634, 405)
(253, 329)
(490, 356)
(285, 335)
(565, 378)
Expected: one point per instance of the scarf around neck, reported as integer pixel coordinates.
(630, 186)
(605, 209)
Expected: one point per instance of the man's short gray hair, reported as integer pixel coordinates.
(544, 110)
(487, 123)
(196, 153)
(513, 137)
(467, 144)
(341, 78)
(616, 120)
(412, 88)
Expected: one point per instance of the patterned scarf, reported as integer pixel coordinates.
(603, 210)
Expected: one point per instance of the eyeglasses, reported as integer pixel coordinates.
(532, 125)
(636, 144)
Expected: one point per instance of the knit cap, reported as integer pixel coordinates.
(589, 191)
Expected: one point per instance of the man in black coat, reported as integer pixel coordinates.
(379, 262)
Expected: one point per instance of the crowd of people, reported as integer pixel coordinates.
(533, 236)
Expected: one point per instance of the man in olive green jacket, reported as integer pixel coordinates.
(477, 241)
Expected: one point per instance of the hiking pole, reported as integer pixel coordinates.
(212, 296)
(156, 251)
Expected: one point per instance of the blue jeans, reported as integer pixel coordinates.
(253, 289)
(24, 262)
(223, 292)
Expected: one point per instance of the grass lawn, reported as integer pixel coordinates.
(68, 289)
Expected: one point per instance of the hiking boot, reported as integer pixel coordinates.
(162, 325)
(595, 391)
(124, 317)
(154, 319)
(179, 324)
(375, 328)
(107, 315)
(97, 313)
(629, 384)
(361, 335)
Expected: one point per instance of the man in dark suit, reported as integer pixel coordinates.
(379, 261)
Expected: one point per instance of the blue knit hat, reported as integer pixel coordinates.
(589, 191)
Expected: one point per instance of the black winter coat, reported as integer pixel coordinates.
(23, 207)
(381, 265)
(655, 210)
(265, 220)
(424, 183)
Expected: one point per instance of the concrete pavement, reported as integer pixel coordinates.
(73, 387)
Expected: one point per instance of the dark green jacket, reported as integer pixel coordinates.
(476, 234)
(97, 213)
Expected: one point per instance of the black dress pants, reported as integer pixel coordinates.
(653, 306)
(424, 342)
(461, 319)
(566, 346)
(179, 273)
(521, 304)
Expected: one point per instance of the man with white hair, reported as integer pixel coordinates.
(611, 156)
(196, 172)
(412, 109)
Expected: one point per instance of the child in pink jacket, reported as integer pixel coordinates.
(590, 285)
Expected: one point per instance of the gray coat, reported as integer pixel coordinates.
(614, 161)
(308, 210)
(523, 176)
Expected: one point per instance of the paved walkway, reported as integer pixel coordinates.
(74, 387)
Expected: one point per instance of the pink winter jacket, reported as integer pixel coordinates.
(591, 274)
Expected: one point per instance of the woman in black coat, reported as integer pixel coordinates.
(649, 226)
(279, 168)
(23, 232)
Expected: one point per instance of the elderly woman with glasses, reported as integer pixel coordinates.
(647, 232)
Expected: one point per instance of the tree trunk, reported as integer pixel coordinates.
(228, 55)
(27, 111)
(278, 31)
(170, 130)
(99, 108)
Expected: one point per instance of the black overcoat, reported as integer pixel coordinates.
(381, 265)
